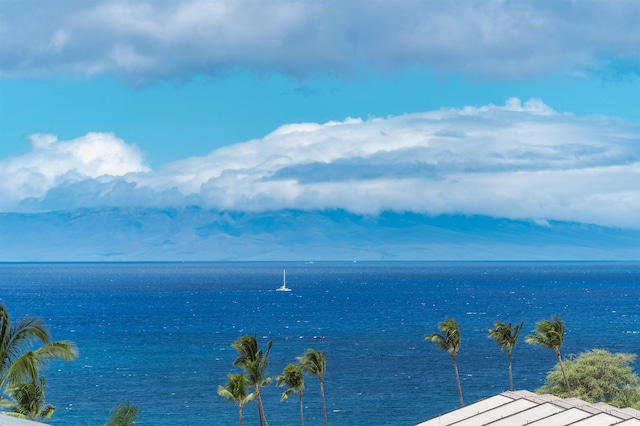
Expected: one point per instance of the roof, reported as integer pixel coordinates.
(15, 421)
(527, 408)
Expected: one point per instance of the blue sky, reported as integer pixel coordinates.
(525, 111)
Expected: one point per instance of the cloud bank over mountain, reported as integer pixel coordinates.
(519, 161)
(52, 163)
(144, 41)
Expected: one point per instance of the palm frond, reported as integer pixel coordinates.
(449, 337)
(28, 399)
(314, 362)
(287, 393)
(236, 389)
(47, 411)
(24, 369)
(14, 414)
(18, 337)
(31, 328)
(247, 348)
(249, 398)
(225, 393)
(438, 339)
(253, 360)
(27, 367)
(549, 334)
(123, 414)
(63, 349)
(292, 378)
(12, 407)
(505, 335)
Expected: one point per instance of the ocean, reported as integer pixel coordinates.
(159, 334)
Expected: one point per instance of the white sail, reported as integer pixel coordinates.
(283, 287)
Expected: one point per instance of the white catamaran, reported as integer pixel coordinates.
(283, 287)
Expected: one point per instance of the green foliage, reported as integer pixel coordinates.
(597, 376)
(449, 340)
(16, 338)
(449, 337)
(254, 361)
(27, 400)
(13, 335)
(291, 378)
(19, 364)
(236, 390)
(123, 414)
(548, 334)
(28, 366)
(315, 363)
(505, 335)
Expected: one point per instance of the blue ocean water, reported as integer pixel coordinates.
(159, 334)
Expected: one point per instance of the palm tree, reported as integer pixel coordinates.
(123, 414)
(27, 400)
(254, 362)
(550, 334)
(449, 340)
(236, 391)
(18, 366)
(506, 337)
(315, 363)
(294, 381)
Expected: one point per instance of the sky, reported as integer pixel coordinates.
(517, 110)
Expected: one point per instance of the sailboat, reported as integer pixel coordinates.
(283, 287)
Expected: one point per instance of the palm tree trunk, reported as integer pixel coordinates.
(263, 418)
(510, 372)
(564, 374)
(301, 410)
(324, 405)
(259, 405)
(455, 367)
(240, 409)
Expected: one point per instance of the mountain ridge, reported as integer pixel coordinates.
(197, 234)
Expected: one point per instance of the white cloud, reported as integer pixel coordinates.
(52, 163)
(517, 161)
(146, 40)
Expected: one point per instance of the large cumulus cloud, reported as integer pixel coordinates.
(52, 163)
(517, 161)
(147, 40)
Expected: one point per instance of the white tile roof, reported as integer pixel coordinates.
(526, 408)
(629, 422)
(15, 421)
